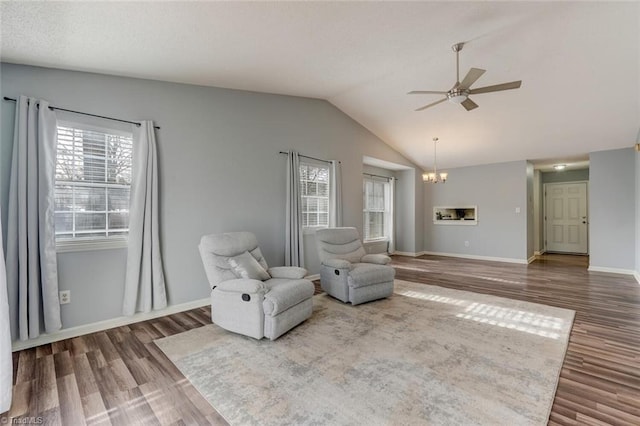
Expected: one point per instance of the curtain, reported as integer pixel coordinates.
(6, 363)
(31, 262)
(293, 250)
(392, 234)
(144, 287)
(335, 202)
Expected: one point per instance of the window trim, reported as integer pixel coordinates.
(79, 244)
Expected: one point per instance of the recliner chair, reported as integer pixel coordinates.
(247, 296)
(347, 272)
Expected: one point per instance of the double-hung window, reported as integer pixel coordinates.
(315, 192)
(377, 209)
(92, 185)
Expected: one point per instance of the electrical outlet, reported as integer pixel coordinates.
(65, 297)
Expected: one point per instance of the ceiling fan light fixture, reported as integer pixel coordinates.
(457, 97)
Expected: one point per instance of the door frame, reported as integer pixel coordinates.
(544, 214)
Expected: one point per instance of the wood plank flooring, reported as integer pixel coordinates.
(119, 376)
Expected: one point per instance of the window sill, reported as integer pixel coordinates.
(68, 246)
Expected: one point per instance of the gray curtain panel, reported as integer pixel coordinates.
(293, 250)
(6, 364)
(144, 287)
(31, 246)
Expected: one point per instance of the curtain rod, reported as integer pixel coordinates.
(384, 177)
(306, 156)
(53, 108)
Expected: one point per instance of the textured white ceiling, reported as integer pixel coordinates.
(579, 63)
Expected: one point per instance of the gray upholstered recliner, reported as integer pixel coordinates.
(247, 296)
(347, 272)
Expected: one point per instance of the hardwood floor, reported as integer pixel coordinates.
(120, 377)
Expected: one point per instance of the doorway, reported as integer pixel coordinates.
(566, 217)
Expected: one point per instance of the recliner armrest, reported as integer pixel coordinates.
(242, 285)
(337, 263)
(379, 259)
(290, 272)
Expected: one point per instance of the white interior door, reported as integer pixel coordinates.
(566, 217)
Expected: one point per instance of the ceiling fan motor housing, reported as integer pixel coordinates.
(457, 96)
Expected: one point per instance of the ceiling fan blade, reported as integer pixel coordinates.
(432, 104)
(471, 77)
(425, 92)
(468, 104)
(496, 88)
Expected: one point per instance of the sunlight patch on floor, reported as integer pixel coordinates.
(514, 319)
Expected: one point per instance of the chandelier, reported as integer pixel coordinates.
(434, 177)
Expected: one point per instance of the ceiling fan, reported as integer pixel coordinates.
(459, 93)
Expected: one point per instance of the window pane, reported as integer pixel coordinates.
(118, 160)
(90, 199)
(118, 199)
(93, 178)
(90, 221)
(313, 220)
(312, 188)
(312, 204)
(63, 222)
(64, 198)
(323, 219)
(376, 225)
(323, 205)
(118, 221)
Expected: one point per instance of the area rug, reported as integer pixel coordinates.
(426, 355)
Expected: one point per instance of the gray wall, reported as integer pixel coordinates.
(612, 209)
(638, 213)
(219, 165)
(565, 176)
(497, 190)
(406, 241)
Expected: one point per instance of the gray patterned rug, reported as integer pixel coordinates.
(426, 355)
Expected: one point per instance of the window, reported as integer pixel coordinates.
(92, 183)
(314, 187)
(377, 209)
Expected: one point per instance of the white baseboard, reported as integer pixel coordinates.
(68, 333)
(408, 253)
(475, 257)
(613, 270)
(531, 259)
(636, 274)
(539, 253)
(312, 277)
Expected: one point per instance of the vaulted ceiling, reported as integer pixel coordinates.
(579, 63)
